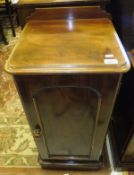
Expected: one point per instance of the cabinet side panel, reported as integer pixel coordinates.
(21, 84)
(109, 89)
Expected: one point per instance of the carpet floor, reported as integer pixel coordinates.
(17, 147)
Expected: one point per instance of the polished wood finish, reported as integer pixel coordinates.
(83, 12)
(26, 7)
(39, 95)
(68, 45)
(67, 72)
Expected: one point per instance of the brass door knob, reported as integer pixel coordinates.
(37, 131)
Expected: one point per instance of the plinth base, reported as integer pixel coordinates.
(71, 164)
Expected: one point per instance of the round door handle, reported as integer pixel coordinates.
(37, 131)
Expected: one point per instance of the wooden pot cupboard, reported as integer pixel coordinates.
(67, 68)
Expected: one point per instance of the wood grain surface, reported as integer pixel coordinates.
(69, 45)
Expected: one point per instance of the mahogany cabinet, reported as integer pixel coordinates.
(67, 71)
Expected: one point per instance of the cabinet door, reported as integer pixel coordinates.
(68, 114)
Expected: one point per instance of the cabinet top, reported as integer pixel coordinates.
(68, 46)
